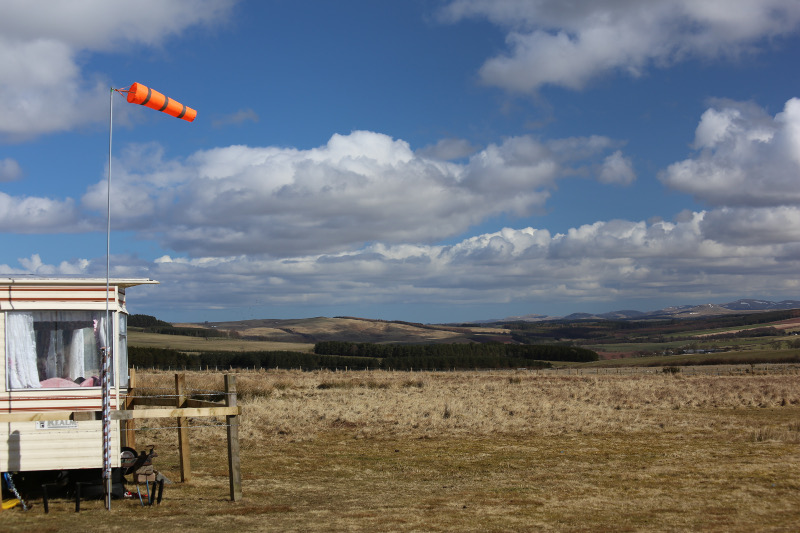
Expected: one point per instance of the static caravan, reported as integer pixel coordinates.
(51, 335)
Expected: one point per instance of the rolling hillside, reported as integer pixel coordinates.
(312, 330)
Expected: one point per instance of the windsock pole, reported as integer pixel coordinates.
(106, 350)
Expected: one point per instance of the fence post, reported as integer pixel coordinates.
(183, 430)
(234, 466)
(129, 426)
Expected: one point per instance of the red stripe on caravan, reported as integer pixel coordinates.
(51, 288)
(51, 398)
(61, 408)
(34, 299)
(9, 294)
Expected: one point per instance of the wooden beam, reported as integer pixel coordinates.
(234, 466)
(124, 415)
(170, 413)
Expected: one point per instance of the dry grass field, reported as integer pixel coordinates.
(200, 344)
(476, 451)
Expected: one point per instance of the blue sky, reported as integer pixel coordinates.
(424, 160)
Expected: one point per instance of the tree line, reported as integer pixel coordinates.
(165, 358)
(466, 350)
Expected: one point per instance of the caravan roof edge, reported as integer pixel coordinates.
(119, 282)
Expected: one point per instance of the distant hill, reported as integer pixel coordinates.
(365, 330)
(680, 311)
(739, 306)
(529, 329)
(352, 329)
(762, 305)
(622, 315)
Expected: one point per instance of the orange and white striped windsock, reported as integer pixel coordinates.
(142, 95)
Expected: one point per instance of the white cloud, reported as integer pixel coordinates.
(569, 43)
(44, 89)
(28, 215)
(357, 188)
(448, 149)
(603, 261)
(754, 225)
(617, 169)
(744, 158)
(9, 170)
(34, 265)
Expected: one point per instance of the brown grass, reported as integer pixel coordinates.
(478, 451)
(200, 344)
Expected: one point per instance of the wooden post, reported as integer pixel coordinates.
(129, 426)
(234, 467)
(183, 429)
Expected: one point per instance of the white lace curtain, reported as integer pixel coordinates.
(53, 344)
(21, 351)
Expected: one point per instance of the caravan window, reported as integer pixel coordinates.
(47, 349)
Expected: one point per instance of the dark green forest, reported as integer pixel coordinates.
(167, 359)
(456, 351)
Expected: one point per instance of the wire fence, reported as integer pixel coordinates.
(712, 369)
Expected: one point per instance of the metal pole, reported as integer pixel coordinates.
(109, 342)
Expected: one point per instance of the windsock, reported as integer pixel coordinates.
(139, 94)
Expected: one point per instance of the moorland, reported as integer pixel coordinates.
(739, 338)
(635, 441)
(476, 451)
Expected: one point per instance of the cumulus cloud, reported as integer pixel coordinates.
(745, 165)
(604, 261)
(29, 215)
(743, 157)
(9, 170)
(34, 265)
(617, 169)
(358, 188)
(448, 149)
(569, 43)
(754, 225)
(39, 51)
